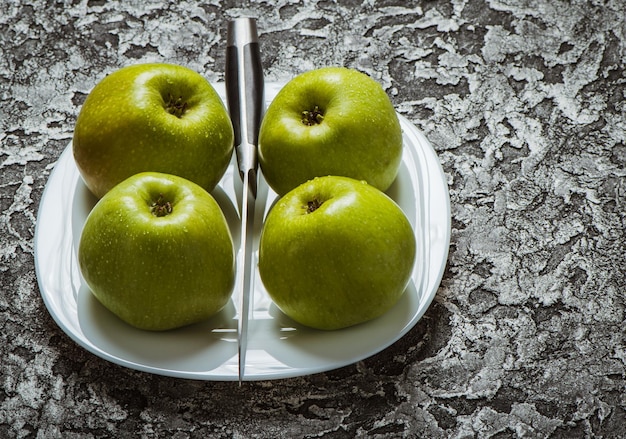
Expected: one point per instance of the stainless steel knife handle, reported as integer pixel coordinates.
(245, 91)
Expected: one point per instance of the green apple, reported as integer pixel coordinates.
(330, 121)
(152, 117)
(335, 252)
(156, 251)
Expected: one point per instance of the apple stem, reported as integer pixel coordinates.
(314, 117)
(161, 207)
(313, 205)
(176, 106)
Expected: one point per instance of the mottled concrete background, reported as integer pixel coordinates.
(524, 102)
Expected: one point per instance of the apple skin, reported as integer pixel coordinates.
(359, 137)
(158, 272)
(346, 262)
(124, 127)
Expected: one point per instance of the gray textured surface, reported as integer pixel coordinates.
(524, 102)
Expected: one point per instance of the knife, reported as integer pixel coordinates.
(245, 98)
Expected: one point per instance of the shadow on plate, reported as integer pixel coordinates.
(195, 348)
(297, 346)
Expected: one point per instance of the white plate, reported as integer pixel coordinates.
(277, 347)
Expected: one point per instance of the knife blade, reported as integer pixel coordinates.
(245, 99)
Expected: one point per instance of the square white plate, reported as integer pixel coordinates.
(277, 346)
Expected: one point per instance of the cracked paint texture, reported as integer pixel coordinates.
(524, 102)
